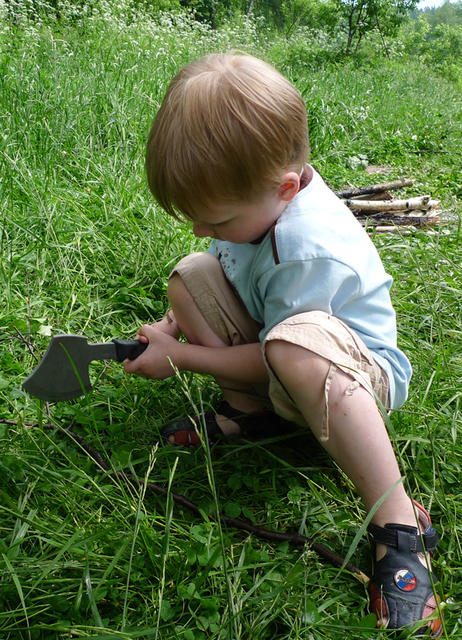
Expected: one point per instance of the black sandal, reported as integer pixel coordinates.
(402, 589)
(185, 432)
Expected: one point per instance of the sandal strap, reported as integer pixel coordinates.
(260, 424)
(404, 538)
(225, 409)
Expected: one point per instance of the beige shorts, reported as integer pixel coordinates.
(316, 331)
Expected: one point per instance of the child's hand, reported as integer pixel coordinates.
(163, 347)
(167, 325)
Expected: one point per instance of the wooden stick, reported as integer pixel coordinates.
(295, 539)
(374, 188)
(29, 344)
(419, 202)
(417, 221)
(387, 229)
(408, 213)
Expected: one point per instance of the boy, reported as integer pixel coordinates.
(290, 308)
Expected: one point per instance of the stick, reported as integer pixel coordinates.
(389, 229)
(419, 202)
(295, 539)
(416, 221)
(28, 308)
(375, 188)
(29, 344)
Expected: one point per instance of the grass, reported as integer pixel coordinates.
(84, 250)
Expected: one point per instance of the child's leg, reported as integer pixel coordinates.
(196, 330)
(358, 440)
(209, 314)
(301, 353)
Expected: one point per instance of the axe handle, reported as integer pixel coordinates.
(130, 349)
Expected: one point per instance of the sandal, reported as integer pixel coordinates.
(402, 589)
(263, 424)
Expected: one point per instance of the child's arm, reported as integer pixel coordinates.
(242, 362)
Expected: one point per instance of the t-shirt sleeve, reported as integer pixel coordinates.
(318, 284)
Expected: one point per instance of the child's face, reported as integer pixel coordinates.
(242, 221)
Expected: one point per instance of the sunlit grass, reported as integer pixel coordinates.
(84, 250)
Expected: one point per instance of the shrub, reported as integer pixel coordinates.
(439, 47)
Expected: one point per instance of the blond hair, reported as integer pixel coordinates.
(227, 129)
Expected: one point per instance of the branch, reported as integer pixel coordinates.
(379, 27)
(249, 10)
(374, 188)
(295, 539)
(28, 308)
(27, 342)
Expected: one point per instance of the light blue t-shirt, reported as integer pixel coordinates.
(318, 257)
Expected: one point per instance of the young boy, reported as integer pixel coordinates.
(290, 308)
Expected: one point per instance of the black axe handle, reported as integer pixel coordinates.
(130, 349)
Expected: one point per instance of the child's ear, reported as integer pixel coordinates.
(289, 186)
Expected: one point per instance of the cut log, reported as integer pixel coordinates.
(402, 221)
(376, 209)
(394, 229)
(419, 202)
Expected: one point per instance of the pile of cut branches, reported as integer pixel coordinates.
(377, 209)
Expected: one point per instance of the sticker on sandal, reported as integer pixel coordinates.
(405, 580)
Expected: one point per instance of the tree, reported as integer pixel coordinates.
(449, 13)
(363, 16)
(271, 10)
(316, 14)
(213, 12)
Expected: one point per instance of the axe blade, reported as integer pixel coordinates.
(62, 374)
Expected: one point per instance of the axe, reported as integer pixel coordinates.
(62, 374)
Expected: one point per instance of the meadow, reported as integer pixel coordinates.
(85, 552)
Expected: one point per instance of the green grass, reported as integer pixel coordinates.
(84, 250)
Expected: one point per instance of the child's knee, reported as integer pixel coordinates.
(176, 289)
(191, 268)
(293, 359)
(195, 264)
(274, 352)
(308, 373)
